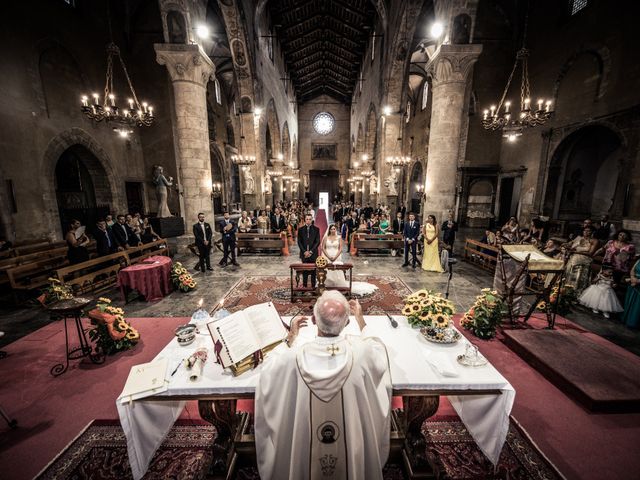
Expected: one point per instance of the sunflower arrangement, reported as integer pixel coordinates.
(182, 280)
(568, 299)
(425, 308)
(54, 292)
(112, 333)
(485, 315)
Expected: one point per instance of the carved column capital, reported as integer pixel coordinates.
(185, 63)
(453, 63)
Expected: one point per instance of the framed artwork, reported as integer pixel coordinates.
(324, 151)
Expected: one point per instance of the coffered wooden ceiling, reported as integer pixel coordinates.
(323, 43)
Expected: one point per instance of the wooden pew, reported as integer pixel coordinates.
(377, 242)
(259, 241)
(12, 262)
(38, 247)
(138, 254)
(93, 275)
(476, 252)
(30, 276)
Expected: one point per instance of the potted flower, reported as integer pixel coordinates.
(112, 333)
(181, 279)
(485, 315)
(568, 298)
(432, 313)
(55, 292)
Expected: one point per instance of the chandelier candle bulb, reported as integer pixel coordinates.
(548, 104)
(130, 103)
(493, 110)
(112, 97)
(506, 107)
(527, 101)
(144, 106)
(96, 99)
(85, 103)
(540, 101)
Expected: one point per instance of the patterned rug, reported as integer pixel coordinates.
(254, 289)
(455, 456)
(100, 453)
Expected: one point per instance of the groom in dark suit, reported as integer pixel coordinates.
(411, 233)
(203, 233)
(308, 242)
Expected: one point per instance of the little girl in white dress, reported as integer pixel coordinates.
(600, 296)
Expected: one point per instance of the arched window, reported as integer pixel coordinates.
(217, 88)
(425, 94)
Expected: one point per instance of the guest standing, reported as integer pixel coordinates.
(105, 241)
(228, 229)
(262, 222)
(308, 242)
(398, 224)
(449, 229)
(410, 233)
(604, 229)
(631, 316)
(431, 256)
(619, 254)
(77, 244)
(278, 223)
(203, 233)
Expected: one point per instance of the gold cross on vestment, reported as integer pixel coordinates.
(332, 349)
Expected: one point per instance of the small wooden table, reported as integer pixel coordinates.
(298, 291)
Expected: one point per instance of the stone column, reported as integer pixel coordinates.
(190, 69)
(450, 71)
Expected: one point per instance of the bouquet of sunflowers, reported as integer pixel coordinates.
(54, 292)
(485, 314)
(112, 332)
(182, 280)
(568, 298)
(425, 308)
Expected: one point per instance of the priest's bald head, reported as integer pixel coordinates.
(331, 312)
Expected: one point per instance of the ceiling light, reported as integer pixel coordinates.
(203, 32)
(386, 111)
(436, 30)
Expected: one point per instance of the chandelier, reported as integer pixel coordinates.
(136, 115)
(275, 173)
(513, 123)
(398, 161)
(243, 160)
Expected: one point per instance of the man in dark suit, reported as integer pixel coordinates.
(411, 233)
(278, 223)
(203, 233)
(123, 234)
(228, 229)
(105, 241)
(398, 224)
(352, 226)
(308, 242)
(449, 229)
(368, 211)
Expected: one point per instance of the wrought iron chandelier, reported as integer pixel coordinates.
(243, 160)
(398, 161)
(513, 123)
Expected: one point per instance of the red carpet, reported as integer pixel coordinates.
(51, 411)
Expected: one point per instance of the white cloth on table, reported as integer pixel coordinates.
(147, 422)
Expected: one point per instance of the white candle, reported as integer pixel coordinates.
(112, 97)
(506, 107)
(96, 99)
(486, 114)
(526, 103)
(548, 104)
(151, 111)
(130, 103)
(493, 108)
(144, 105)
(540, 104)
(84, 101)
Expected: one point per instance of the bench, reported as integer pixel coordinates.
(93, 275)
(481, 254)
(376, 242)
(138, 254)
(297, 270)
(35, 274)
(26, 249)
(252, 242)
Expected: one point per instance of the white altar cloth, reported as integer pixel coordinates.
(146, 422)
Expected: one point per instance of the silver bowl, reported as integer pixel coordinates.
(185, 334)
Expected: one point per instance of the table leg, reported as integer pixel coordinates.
(415, 411)
(222, 415)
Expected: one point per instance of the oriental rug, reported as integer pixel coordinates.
(255, 289)
(100, 452)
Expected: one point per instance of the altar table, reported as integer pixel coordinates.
(151, 277)
(481, 396)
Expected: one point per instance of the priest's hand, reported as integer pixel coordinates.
(294, 329)
(356, 311)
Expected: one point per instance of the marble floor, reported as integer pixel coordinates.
(466, 283)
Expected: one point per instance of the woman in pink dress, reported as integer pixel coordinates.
(619, 253)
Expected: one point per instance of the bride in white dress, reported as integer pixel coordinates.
(332, 247)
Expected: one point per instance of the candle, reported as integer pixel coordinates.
(200, 302)
(526, 103)
(112, 97)
(151, 111)
(84, 101)
(486, 114)
(144, 105)
(96, 99)
(493, 108)
(548, 104)
(540, 104)
(125, 112)
(130, 103)
(506, 107)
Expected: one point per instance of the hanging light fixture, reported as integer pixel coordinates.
(243, 160)
(513, 123)
(138, 114)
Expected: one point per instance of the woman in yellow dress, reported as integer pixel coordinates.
(430, 254)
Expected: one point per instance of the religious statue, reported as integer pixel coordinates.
(373, 184)
(267, 185)
(249, 182)
(391, 182)
(161, 182)
(305, 179)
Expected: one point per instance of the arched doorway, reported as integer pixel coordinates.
(416, 178)
(82, 187)
(583, 174)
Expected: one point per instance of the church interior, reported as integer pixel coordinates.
(171, 165)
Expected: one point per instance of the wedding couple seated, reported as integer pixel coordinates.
(332, 248)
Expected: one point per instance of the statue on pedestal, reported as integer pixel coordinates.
(391, 182)
(161, 182)
(249, 182)
(267, 185)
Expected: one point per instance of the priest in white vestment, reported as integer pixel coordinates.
(323, 408)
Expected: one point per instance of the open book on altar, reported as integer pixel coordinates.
(247, 334)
